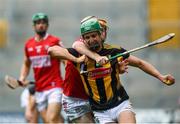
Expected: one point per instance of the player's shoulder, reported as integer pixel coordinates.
(79, 39)
(54, 40)
(53, 37)
(111, 46)
(29, 41)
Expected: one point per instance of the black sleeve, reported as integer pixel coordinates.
(122, 50)
(73, 52)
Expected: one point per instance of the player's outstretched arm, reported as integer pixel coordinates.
(62, 53)
(82, 49)
(151, 70)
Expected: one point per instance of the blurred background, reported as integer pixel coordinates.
(132, 23)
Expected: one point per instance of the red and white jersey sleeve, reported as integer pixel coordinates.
(77, 40)
(46, 69)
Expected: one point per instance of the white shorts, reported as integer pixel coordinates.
(24, 97)
(46, 97)
(75, 107)
(111, 115)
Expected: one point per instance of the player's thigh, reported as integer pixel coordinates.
(41, 101)
(41, 104)
(54, 105)
(43, 114)
(53, 113)
(86, 118)
(53, 109)
(127, 117)
(75, 108)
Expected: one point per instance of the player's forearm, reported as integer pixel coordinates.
(61, 53)
(31, 103)
(25, 69)
(145, 66)
(82, 49)
(150, 69)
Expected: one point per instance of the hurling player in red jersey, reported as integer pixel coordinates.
(47, 74)
(75, 101)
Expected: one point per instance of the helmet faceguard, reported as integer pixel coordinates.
(40, 16)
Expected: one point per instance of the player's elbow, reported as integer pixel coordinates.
(78, 45)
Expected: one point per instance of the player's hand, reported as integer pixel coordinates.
(123, 66)
(168, 79)
(24, 83)
(80, 59)
(101, 60)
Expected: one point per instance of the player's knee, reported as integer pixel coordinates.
(127, 117)
(53, 118)
(29, 118)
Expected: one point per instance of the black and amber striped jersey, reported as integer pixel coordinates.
(102, 83)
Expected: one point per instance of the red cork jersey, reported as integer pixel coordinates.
(73, 85)
(46, 69)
